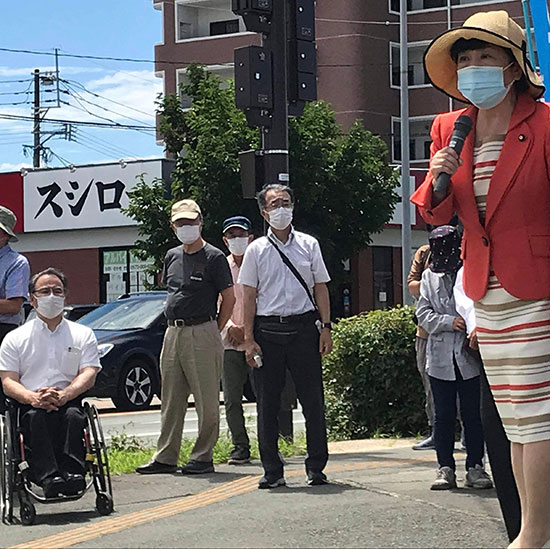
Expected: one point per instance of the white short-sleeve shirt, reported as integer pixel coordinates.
(278, 291)
(43, 358)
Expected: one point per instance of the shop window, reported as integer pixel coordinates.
(121, 273)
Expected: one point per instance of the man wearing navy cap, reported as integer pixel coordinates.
(236, 236)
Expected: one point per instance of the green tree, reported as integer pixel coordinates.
(343, 182)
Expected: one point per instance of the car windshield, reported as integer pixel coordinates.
(125, 314)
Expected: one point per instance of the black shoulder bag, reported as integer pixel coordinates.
(295, 272)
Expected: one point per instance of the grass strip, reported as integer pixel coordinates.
(127, 452)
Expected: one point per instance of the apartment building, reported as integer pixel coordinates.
(358, 73)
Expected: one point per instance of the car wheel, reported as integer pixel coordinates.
(136, 386)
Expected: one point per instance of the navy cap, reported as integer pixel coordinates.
(237, 221)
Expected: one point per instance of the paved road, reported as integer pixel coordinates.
(379, 497)
(146, 425)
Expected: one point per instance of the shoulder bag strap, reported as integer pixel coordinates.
(294, 271)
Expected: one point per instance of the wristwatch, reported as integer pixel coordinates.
(327, 325)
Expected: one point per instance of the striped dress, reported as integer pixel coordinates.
(513, 334)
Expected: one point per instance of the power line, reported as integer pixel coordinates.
(6, 116)
(14, 81)
(106, 98)
(77, 96)
(63, 160)
(101, 58)
(100, 141)
(113, 123)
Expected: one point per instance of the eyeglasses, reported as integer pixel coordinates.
(274, 204)
(43, 292)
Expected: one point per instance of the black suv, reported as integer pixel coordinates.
(129, 333)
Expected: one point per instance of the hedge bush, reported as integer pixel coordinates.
(372, 384)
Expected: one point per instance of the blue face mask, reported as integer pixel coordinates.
(483, 86)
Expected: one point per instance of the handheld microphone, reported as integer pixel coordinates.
(463, 126)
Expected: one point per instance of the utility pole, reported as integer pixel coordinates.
(36, 128)
(273, 81)
(275, 137)
(405, 152)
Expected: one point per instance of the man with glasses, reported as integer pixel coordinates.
(14, 276)
(46, 365)
(286, 326)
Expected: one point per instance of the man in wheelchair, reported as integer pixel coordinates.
(46, 365)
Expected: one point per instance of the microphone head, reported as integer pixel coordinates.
(463, 124)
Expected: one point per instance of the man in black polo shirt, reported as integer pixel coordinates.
(191, 361)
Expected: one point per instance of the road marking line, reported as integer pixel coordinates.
(223, 492)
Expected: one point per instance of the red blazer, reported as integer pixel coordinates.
(516, 238)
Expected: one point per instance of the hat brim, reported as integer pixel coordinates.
(238, 225)
(185, 215)
(8, 231)
(442, 71)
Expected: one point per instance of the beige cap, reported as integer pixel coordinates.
(494, 27)
(7, 222)
(185, 209)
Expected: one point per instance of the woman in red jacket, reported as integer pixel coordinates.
(500, 189)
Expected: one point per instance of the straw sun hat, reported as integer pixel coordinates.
(494, 27)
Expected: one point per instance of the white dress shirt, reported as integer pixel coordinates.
(278, 291)
(464, 305)
(43, 358)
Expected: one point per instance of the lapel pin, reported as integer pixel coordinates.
(521, 137)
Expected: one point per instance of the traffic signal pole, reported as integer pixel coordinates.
(275, 137)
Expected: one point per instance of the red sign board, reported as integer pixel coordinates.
(11, 196)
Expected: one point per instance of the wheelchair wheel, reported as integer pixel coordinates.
(104, 503)
(27, 513)
(102, 475)
(7, 479)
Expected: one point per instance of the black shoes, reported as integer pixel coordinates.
(155, 468)
(194, 467)
(316, 478)
(266, 483)
(239, 456)
(73, 484)
(53, 487)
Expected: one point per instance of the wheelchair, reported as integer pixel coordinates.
(15, 483)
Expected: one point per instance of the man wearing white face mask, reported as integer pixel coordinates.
(191, 361)
(14, 276)
(287, 326)
(46, 365)
(236, 236)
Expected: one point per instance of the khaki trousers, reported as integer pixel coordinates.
(191, 362)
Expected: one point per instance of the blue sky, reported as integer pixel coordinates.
(114, 28)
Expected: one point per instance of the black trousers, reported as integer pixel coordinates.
(54, 440)
(498, 450)
(444, 393)
(294, 347)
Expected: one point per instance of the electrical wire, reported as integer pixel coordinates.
(94, 139)
(7, 116)
(14, 81)
(77, 96)
(106, 98)
(84, 109)
(96, 149)
(85, 138)
(65, 162)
